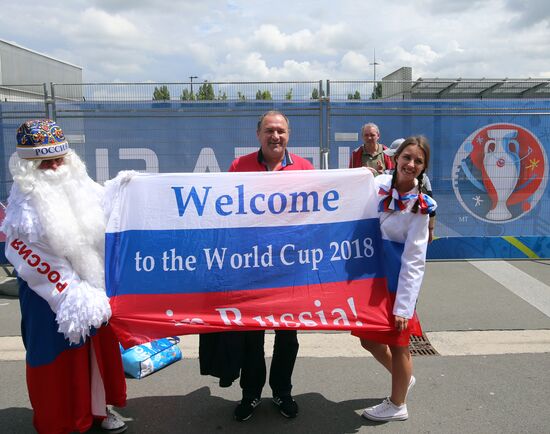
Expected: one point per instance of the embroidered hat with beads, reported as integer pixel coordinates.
(41, 139)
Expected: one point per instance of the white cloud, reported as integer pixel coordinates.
(115, 29)
(137, 40)
(529, 13)
(446, 7)
(327, 40)
(420, 55)
(253, 67)
(355, 63)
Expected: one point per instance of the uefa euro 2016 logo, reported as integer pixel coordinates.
(500, 172)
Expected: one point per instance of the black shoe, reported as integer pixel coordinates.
(245, 409)
(287, 406)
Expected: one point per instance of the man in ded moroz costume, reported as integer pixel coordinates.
(54, 228)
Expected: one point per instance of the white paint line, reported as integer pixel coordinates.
(525, 286)
(11, 348)
(490, 342)
(342, 344)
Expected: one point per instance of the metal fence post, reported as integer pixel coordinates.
(325, 100)
(322, 147)
(46, 102)
(52, 102)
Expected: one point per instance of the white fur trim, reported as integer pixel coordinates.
(21, 217)
(44, 152)
(84, 307)
(112, 189)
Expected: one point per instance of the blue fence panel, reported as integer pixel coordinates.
(179, 137)
(489, 167)
(485, 155)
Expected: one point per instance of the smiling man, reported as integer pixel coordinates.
(273, 133)
(245, 350)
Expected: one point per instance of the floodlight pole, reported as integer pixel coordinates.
(374, 63)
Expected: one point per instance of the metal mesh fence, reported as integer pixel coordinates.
(437, 89)
(205, 92)
(22, 101)
(202, 127)
(191, 126)
(17, 104)
(349, 90)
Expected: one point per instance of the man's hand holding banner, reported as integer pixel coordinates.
(197, 253)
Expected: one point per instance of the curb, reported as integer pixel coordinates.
(344, 345)
(8, 281)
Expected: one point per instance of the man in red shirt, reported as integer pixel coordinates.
(273, 133)
(370, 154)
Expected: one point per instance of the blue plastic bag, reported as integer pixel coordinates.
(142, 360)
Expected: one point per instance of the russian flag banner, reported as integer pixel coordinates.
(198, 253)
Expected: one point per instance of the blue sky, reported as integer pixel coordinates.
(247, 40)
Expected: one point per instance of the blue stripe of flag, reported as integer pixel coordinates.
(357, 241)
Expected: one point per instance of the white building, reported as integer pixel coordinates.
(23, 73)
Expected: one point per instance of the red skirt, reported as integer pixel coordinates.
(60, 392)
(393, 338)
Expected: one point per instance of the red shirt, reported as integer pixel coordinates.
(357, 157)
(254, 163)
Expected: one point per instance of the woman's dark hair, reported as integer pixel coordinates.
(423, 144)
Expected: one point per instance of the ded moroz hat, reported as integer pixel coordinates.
(41, 139)
(390, 152)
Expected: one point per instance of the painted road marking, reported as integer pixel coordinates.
(533, 291)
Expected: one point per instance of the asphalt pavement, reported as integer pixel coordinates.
(488, 322)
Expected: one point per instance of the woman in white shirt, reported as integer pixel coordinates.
(404, 216)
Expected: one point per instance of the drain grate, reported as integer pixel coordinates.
(420, 346)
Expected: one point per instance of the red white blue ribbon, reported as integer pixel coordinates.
(391, 200)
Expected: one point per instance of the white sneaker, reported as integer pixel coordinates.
(386, 411)
(412, 382)
(113, 424)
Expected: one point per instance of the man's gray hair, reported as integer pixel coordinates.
(370, 124)
(271, 113)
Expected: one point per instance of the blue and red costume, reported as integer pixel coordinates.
(69, 383)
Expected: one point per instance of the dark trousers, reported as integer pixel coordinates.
(253, 371)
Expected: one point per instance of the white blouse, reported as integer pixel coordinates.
(410, 230)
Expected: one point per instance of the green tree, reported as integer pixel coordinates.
(265, 95)
(315, 93)
(206, 92)
(187, 96)
(222, 96)
(355, 95)
(241, 96)
(377, 91)
(288, 95)
(161, 93)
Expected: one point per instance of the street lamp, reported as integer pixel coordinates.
(191, 77)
